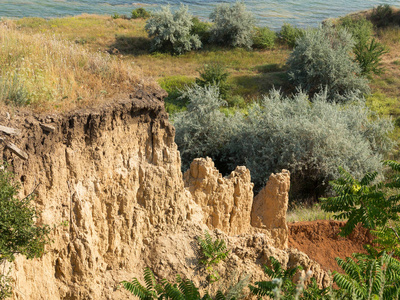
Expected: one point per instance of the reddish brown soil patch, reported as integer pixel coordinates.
(321, 242)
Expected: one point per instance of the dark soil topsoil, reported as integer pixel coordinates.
(321, 242)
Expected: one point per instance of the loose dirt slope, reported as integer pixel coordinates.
(321, 242)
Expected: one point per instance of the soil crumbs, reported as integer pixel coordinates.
(320, 240)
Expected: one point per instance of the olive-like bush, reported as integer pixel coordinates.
(170, 32)
(310, 138)
(323, 60)
(202, 130)
(233, 25)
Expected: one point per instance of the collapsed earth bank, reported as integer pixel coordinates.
(109, 178)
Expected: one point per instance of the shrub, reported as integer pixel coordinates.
(214, 74)
(115, 16)
(382, 15)
(368, 278)
(233, 25)
(365, 201)
(322, 60)
(369, 56)
(310, 139)
(171, 31)
(203, 130)
(289, 34)
(19, 233)
(367, 50)
(140, 13)
(359, 27)
(202, 29)
(264, 38)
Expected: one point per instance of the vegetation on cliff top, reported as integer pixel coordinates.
(108, 55)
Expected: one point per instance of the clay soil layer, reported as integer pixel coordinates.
(320, 240)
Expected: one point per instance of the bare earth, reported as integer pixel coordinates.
(321, 242)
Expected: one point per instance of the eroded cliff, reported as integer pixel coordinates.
(112, 176)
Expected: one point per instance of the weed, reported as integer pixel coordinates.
(212, 252)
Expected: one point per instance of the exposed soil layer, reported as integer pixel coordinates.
(321, 242)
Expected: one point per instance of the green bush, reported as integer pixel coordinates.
(214, 74)
(382, 15)
(368, 51)
(202, 29)
(202, 130)
(368, 278)
(233, 25)
(365, 201)
(322, 60)
(359, 27)
(369, 56)
(268, 138)
(140, 13)
(264, 38)
(19, 233)
(170, 32)
(289, 34)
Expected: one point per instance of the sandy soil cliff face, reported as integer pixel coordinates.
(113, 174)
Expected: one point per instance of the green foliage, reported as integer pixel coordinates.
(369, 56)
(268, 138)
(365, 201)
(13, 91)
(212, 252)
(368, 51)
(368, 278)
(173, 86)
(214, 74)
(140, 13)
(280, 278)
(202, 29)
(387, 239)
(322, 60)
(359, 27)
(233, 25)
(115, 16)
(264, 38)
(5, 285)
(170, 32)
(202, 130)
(330, 135)
(183, 289)
(19, 233)
(289, 34)
(382, 15)
(284, 286)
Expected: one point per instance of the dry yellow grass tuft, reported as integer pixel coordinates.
(48, 73)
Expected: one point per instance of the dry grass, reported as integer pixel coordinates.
(128, 40)
(300, 213)
(52, 73)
